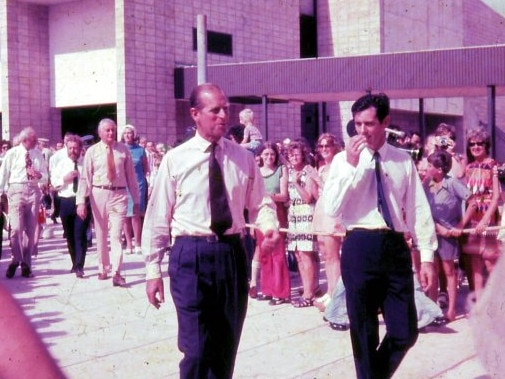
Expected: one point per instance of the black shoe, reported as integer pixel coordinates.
(26, 272)
(11, 270)
(262, 297)
(339, 327)
(72, 270)
(79, 273)
(439, 321)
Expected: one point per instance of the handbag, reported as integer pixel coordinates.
(292, 262)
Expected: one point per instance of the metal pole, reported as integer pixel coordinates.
(264, 105)
(422, 120)
(491, 117)
(201, 48)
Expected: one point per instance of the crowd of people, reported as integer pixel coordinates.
(303, 208)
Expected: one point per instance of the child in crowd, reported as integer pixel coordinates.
(252, 135)
(446, 195)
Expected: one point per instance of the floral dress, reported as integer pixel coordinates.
(479, 180)
(300, 216)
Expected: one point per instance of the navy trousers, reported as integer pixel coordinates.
(208, 283)
(377, 274)
(75, 231)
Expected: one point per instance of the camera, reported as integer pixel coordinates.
(444, 142)
(501, 173)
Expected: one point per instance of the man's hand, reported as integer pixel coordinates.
(154, 287)
(354, 148)
(271, 239)
(427, 275)
(82, 211)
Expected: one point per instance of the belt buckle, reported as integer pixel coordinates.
(212, 239)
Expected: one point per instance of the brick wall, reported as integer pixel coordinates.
(144, 50)
(25, 69)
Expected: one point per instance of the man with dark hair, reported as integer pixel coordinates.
(65, 179)
(197, 206)
(236, 133)
(376, 262)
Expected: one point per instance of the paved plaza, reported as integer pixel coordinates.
(97, 331)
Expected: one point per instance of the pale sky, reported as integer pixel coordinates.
(498, 5)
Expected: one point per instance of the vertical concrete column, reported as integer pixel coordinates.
(145, 57)
(24, 40)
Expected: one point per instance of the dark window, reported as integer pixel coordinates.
(308, 36)
(217, 43)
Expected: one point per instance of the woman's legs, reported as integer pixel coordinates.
(306, 266)
(136, 223)
(332, 261)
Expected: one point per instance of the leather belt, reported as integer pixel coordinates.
(212, 238)
(110, 188)
(372, 231)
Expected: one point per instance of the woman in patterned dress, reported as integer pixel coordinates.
(481, 177)
(303, 193)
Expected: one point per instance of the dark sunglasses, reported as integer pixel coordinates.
(471, 144)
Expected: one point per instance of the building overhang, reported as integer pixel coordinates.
(462, 72)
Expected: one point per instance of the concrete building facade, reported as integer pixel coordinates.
(66, 64)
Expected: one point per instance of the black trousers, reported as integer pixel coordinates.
(377, 274)
(75, 231)
(208, 283)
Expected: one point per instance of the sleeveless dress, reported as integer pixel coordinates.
(274, 271)
(137, 152)
(300, 216)
(479, 180)
(272, 186)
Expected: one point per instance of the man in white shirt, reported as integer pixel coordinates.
(377, 191)
(65, 178)
(208, 262)
(23, 169)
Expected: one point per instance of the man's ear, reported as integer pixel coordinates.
(194, 112)
(387, 121)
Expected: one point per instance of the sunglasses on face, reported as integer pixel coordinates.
(321, 146)
(472, 144)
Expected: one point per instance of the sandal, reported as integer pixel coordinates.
(278, 301)
(303, 302)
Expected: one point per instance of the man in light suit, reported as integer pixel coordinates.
(22, 170)
(108, 175)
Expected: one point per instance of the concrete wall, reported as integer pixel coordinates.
(25, 68)
(483, 26)
(82, 50)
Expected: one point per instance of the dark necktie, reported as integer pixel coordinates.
(111, 167)
(75, 180)
(220, 214)
(28, 164)
(381, 197)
